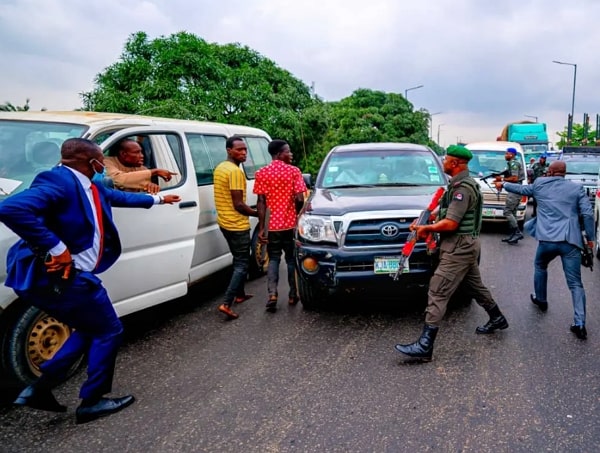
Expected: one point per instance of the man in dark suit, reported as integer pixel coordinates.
(67, 237)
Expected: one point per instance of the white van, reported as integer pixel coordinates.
(488, 158)
(165, 249)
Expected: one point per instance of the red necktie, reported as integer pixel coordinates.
(98, 206)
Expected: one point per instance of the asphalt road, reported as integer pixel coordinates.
(330, 381)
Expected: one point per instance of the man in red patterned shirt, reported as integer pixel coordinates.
(280, 188)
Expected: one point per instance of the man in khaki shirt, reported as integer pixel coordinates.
(126, 169)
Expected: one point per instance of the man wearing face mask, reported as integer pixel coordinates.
(67, 237)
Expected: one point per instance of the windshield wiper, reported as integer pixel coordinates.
(400, 184)
(349, 186)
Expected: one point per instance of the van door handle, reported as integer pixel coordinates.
(187, 204)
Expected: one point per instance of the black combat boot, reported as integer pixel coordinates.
(423, 348)
(511, 234)
(497, 321)
(516, 237)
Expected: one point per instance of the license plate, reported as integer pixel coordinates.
(491, 212)
(389, 265)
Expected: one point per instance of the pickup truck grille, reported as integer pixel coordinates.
(492, 198)
(378, 232)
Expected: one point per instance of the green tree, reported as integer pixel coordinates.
(8, 107)
(183, 76)
(577, 136)
(370, 116)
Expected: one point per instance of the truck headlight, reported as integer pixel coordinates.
(316, 228)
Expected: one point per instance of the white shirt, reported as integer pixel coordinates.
(86, 261)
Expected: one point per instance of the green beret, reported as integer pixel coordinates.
(459, 151)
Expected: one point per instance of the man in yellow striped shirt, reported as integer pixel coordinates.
(232, 217)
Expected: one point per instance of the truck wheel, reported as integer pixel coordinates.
(255, 269)
(310, 296)
(29, 337)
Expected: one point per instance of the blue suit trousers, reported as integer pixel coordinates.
(83, 304)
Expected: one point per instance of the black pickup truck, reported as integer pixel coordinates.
(352, 228)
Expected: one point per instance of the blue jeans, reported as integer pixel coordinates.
(570, 256)
(239, 245)
(281, 242)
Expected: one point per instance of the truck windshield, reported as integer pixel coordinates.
(381, 168)
(29, 147)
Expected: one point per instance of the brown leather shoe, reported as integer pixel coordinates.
(228, 311)
(244, 298)
(272, 302)
(293, 300)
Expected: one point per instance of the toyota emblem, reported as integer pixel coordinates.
(389, 230)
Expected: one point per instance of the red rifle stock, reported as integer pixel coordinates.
(411, 240)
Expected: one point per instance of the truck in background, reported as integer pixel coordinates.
(532, 136)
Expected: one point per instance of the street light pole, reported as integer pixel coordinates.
(574, 82)
(410, 89)
(532, 116)
(431, 124)
(438, 135)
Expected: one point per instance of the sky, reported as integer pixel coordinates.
(481, 63)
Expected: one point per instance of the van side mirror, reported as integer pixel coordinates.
(307, 180)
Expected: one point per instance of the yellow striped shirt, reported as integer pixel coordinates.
(228, 177)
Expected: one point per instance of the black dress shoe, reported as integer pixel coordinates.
(102, 408)
(42, 399)
(541, 305)
(579, 331)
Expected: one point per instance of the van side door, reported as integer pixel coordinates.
(158, 243)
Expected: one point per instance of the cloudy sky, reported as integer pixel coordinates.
(482, 63)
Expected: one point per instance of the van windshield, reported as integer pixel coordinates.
(485, 162)
(29, 147)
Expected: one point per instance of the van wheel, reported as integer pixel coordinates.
(311, 297)
(29, 337)
(256, 269)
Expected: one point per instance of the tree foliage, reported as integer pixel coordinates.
(577, 137)
(370, 116)
(183, 76)
(8, 107)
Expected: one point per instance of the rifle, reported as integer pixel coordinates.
(411, 240)
(495, 175)
(587, 254)
(263, 247)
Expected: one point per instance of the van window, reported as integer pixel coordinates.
(207, 152)
(258, 155)
(29, 147)
(160, 150)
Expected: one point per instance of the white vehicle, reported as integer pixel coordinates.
(165, 249)
(488, 158)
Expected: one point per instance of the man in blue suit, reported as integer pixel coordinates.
(563, 208)
(67, 237)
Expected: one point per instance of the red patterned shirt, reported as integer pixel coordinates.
(279, 183)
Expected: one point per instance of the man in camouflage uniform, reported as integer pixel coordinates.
(458, 224)
(516, 175)
(538, 169)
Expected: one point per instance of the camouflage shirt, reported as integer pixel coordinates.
(516, 169)
(538, 169)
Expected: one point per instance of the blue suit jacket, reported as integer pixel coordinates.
(55, 208)
(561, 204)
